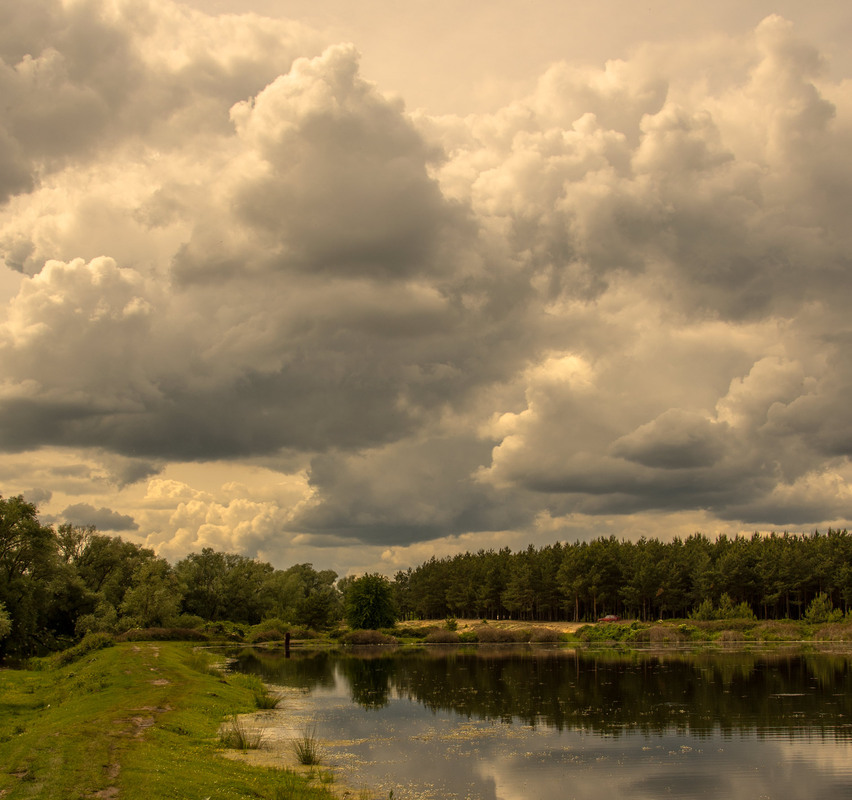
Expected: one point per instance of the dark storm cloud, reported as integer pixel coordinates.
(408, 492)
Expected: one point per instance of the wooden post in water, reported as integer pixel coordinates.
(287, 645)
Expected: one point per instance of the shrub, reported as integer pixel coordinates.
(835, 632)
(614, 632)
(89, 644)
(443, 637)
(303, 633)
(368, 637)
(731, 638)
(664, 634)
(225, 630)
(492, 635)
(187, 621)
(778, 631)
(543, 635)
(162, 635)
(272, 635)
(410, 632)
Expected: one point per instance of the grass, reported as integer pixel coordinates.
(237, 735)
(307, 747)
(263, 698)
(132, 720)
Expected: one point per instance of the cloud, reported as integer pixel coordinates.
(80, 78)
(102, 518)
(390, 495)
(674, 440)
(37, 495)
(625, 293)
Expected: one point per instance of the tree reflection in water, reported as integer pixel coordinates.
(604, 692)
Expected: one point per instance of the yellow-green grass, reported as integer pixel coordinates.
(136, 721)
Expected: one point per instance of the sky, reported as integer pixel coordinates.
(357, 284)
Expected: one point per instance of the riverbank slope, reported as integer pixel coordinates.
(134, 720)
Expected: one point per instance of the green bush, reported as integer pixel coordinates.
(613, 632)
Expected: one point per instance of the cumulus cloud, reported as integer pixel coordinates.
(79, 77)
(626, 292)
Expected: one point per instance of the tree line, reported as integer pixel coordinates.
(58, 584)
(775, 576)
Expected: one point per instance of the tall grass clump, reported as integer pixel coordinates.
(263, 698)
(266, 700)
(306, 747)
(202, 662)
(236, 735)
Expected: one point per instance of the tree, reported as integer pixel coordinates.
(822, 610)
(5, 622)
(369, 603)
(28, 565)
(155, 597)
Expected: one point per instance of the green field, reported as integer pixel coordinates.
(134, 720)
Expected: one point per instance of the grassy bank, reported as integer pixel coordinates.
(134, 720)
(728, 632)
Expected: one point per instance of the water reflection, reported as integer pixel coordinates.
(605, 692)
(531, 722)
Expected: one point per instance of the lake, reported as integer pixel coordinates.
(514, 723)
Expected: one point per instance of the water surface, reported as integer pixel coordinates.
(497, 723)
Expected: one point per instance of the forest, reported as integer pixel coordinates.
(58, 584)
